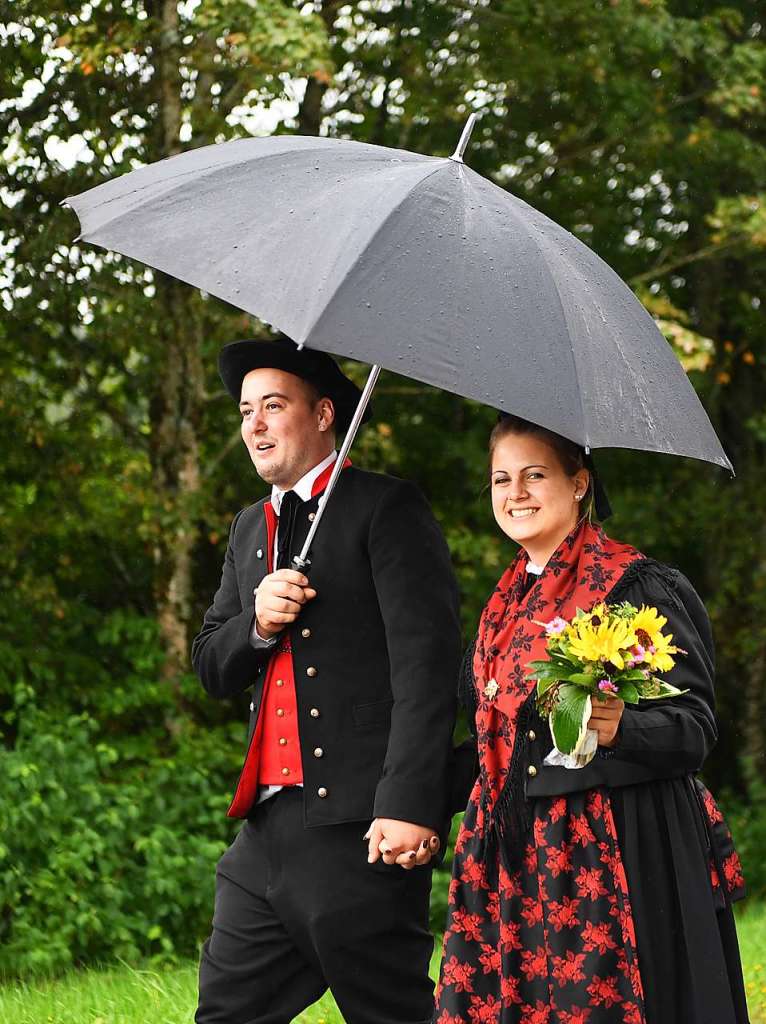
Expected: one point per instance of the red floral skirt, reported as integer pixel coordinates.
(550, 943)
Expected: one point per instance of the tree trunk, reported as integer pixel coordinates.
(176, 405)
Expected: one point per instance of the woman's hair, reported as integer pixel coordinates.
(569, 453)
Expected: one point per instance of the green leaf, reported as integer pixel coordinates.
(543, 685)
(629, 693)
(569, 718)
(586, 679)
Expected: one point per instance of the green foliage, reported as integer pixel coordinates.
(104, 856)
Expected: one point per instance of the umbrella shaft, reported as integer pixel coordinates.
(300, 561)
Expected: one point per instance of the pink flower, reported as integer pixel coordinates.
(639, 653)
(607, 686)
(556, 626)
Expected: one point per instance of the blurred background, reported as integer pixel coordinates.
(640, 125)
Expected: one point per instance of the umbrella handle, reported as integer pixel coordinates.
(301, 562)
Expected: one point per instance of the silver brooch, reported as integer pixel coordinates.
(491, 690)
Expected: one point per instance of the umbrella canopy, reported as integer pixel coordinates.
(416, 264)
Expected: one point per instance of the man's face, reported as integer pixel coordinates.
(285, 429)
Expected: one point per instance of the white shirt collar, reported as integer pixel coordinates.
(306, 483)
(536, 570)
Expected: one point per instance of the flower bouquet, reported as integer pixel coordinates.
(606, 652)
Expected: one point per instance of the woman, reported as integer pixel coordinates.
(601, 894)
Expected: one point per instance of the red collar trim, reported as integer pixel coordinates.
(322, 480)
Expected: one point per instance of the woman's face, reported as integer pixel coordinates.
(533, 499)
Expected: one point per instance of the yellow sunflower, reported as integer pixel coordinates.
(596, 638)
(660, 659)
(649, 622)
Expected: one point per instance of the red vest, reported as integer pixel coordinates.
(274, 755)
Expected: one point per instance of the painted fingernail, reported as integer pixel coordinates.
(424, 844)
(386, 850)
(412, 855)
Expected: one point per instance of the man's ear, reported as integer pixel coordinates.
(326, 414)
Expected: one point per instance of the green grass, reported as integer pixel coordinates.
(126, 995)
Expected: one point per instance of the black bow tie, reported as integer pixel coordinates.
(287, 515)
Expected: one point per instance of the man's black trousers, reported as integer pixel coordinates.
(299, 910)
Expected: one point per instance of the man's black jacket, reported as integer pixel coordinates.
(383, 635)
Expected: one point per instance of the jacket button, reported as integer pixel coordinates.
(318, 752)
(322, 792)
(305, 633)
(532, 771)
(259, 553)
(280, 682)
(280, 712)
(285, 771)
(312, 516)
(252, 706)
(282, 741)
(311, 671)
(532, 734)
(314, 712)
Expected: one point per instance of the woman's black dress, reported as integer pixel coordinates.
(682, 871)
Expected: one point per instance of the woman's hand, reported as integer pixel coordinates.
(605, 719)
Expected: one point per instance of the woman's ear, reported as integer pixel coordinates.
(582, 482)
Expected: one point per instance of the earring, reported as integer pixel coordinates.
(578, 497)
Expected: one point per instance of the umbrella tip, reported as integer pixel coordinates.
(457, 156)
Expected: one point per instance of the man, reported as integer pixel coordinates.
(353, 669)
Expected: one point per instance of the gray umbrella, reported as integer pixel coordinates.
(419, 265)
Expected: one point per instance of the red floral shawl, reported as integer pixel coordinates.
(579, 574)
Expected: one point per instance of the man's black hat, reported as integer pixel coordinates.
(238, 358)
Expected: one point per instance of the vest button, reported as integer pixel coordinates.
(532, 771)
(322, 792)
(312, 516)
(282, 741)
(280, 682)
(311, 671)
(318, 752)
(285, 771)
(259, 553)
(280, 712)
(314, 712)
(305, 633)
(532, 734)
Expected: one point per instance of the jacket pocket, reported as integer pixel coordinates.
(376, 713)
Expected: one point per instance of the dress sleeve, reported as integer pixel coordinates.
(674, 735)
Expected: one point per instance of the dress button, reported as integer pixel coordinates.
(282, 741)
(280, 682)
(532, 771)
(311, 671)
(318, 752)
(322, 792)
(532, 734)
(285, 771)
(314, 712)
(305, 633)
(312, 516)
(280, 712)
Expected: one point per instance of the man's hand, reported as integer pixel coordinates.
(605, 720)
(279, 599)
(400, 842)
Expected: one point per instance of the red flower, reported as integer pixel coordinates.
(558, 808)
(569, 967)
(458, 974)
(493, 906)
(484, 1011)
(462, 838)
(509, 885)
(509, 990)
(489, 958)
(577, 1015)
(564, 914)
(534, 964)
(469, 924)
(474, 874)
(539, 828)
(598, 936)
(604, 992)
(713, 811)
(454, 889)
(540, 1013)
(445, 1017)
(510, 936)
(632, 1014)
(595, 804)
(589, 883)
(532, 911)
(732, 869)
(581, 831)
(530, 859)
(559, 859)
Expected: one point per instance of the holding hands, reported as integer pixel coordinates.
(400, 842)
